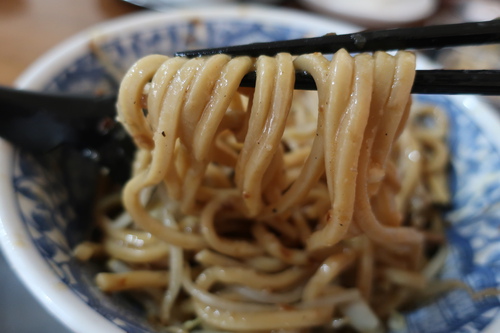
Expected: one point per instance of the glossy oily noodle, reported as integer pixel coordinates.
(272, 209)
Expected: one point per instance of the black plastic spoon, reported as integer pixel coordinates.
(40, 122)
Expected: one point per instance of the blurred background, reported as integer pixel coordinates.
(29, 28)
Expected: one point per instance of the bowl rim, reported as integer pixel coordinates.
(393, 14)
(15, 242)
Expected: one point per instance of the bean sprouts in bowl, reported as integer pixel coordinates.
(47, 200)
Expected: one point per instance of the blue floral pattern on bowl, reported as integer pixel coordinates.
(54, 196)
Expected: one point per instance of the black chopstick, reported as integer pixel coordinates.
(429, 37)
(456, 82)
(479, 82)
(446, 82)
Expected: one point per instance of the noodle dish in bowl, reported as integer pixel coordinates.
(354, 208)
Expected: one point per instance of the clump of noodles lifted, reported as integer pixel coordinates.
(265, 209)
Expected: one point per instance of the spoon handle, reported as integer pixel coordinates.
(40, 122)
(63, 105)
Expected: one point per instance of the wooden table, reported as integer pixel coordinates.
(29, 28)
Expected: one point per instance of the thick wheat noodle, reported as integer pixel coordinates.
(413, 167)
(170, 84)
(199, 95)
(251, 278)
(130, 97)
(432, 139)
(270, 132)
(236, 248)
(266, 264)
(300, 223)
(176, 268)
(366, 267)
(260, 263)
(207, 126)
(210, 258)
(386, 208)
(283, 227)
(236, 313)
(142, 238)
(396, 105)
(404, 277)
(262, 296)
(168, 118)
(264, 320)
(250, 208)
(153, 225)
(150, 176)
(132, 280)
(341, 157)
(438, 184)
(379, 118)
(260, 106)
(275, 248)
(439, 155)
(86, 250)
(274, 182)
(136, 255)
(313, 166)
(329, 269)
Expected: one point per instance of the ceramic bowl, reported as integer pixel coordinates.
(45, 200)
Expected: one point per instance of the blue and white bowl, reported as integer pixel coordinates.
(45, 201)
